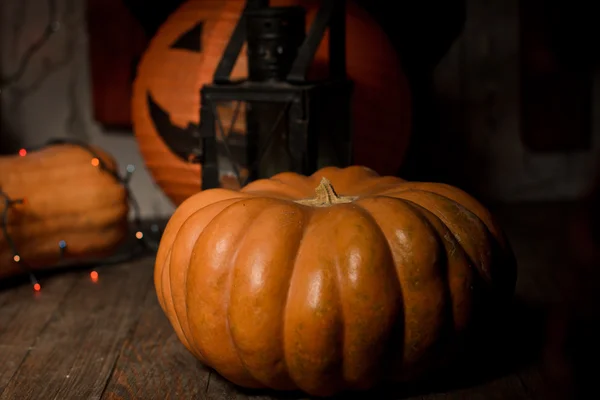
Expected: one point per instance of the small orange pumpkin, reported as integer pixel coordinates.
(67, 197)
(274, 287)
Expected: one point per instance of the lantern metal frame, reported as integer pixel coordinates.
(302, 100)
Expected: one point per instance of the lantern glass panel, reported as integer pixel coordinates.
(282, 119)
(252, 139)
(230, 134)
(269, 134)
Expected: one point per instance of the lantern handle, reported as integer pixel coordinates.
(236, 42)
(332, 15)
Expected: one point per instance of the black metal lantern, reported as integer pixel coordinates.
(277, 120)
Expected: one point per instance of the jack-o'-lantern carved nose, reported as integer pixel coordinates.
(190, 40)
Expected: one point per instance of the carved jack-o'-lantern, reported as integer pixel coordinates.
(166, 98)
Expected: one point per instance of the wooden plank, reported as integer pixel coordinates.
(219, 389)
(508, 387)
(24, 315)
(153, 364)
(75, 354)
(114, 335)
(546, 278)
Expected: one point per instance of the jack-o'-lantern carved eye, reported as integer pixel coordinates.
(178, 140)
(190, 40)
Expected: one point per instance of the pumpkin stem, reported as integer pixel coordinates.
(326, 196)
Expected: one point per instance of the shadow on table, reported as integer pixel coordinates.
(505, 345)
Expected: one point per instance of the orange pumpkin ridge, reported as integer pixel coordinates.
(67, 198)
(340, 280)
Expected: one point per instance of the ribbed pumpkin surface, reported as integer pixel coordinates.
(377, 282)
(66, 198)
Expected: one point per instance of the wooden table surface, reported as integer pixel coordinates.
(110, 340)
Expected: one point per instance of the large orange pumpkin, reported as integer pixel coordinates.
(183, 55)
(275, 287)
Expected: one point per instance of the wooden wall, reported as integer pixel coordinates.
(478, 93)
(501, 132)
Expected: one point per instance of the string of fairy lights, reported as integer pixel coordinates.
(146, 242)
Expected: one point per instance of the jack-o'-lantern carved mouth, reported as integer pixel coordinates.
(181, 141)
(186, 143)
